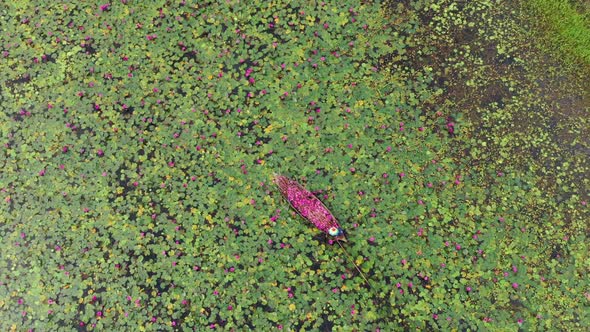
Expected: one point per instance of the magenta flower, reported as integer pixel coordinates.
(451, 127)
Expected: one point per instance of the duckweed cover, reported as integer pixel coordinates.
(140, 139)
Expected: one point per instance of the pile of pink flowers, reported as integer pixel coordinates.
(306, 204)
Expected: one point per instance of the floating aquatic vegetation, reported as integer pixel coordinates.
(134, 137)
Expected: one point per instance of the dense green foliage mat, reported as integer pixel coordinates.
(139, 140)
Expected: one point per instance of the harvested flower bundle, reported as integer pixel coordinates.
(309, 207)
